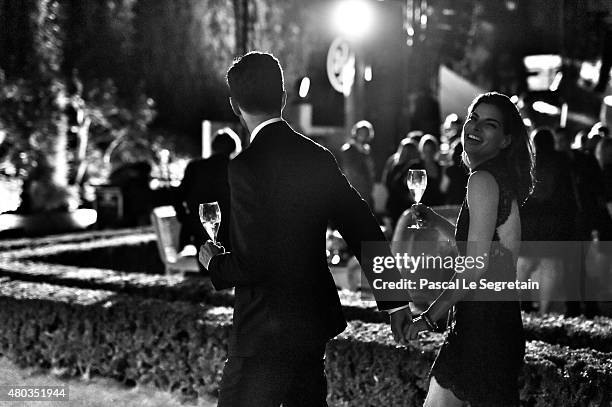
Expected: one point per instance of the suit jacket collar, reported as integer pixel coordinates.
(270, 130)
(263, 124)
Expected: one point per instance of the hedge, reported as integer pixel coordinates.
(171, 287)
(181, 347)
(176, 346)
(14, 244)
(129, 253)
(366, 368)
(556, 329)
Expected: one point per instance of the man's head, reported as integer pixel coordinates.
(362, 132)
(224, 142)
(256, 84)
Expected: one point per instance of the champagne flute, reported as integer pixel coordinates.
(417, 182)
(210, 217)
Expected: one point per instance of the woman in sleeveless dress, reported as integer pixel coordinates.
(481, 358)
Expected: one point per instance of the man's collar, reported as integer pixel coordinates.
(261, 125)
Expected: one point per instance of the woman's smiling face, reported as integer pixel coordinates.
(483, 134)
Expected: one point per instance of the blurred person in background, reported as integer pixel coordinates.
(394, 177)
(606, 50)
(546, 216)
(455, 177)
(205, 180)
(356, 160)
(591, 220)
(603, 154)
(429, 149)
(415, 136)
(133, 178)
(451, 129)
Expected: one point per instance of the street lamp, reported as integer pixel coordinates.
(353, 18)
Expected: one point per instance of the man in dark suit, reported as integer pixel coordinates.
(205, 180)
(284, 190)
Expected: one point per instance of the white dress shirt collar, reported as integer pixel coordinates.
(263, 124)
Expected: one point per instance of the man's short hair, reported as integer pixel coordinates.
(256, 83)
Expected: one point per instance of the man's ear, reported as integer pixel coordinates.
(235, 107)
(284, 100)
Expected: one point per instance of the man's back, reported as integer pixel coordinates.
(285, 189)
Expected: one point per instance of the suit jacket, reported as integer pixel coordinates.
(284, 190)
(205, 180)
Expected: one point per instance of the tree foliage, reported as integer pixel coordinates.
(32, 109)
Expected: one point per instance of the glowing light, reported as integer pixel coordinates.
(564, 112)
(545, 108)
(527, 122)
(353, 18)
(555, 83)
(541, 70)
(367, 73)
(608, 100)
(423, 20)
(304, 87)
(590, 71)
(514, 99)
(542, 61)
(335, 259)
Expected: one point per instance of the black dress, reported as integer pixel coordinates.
(482, 356)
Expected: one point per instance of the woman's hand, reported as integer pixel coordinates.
(418, 325)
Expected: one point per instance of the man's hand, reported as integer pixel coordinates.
(207, 251)
(400, 322)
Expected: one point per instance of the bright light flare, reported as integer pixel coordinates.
(545, 108)
(608, 100)
(367, 73)
(304, 87)
(353, 18)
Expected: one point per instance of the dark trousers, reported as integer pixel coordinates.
(295, 378)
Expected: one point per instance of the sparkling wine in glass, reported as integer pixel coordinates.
(210, 216)
(417, 182)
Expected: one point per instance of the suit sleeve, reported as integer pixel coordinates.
(239, 267)
(356, 223)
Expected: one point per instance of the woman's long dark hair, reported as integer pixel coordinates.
(519, 155)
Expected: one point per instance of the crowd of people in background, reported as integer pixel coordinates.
(571, 201)
(572, 198)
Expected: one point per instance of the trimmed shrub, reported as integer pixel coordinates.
(174, 287)
(175, 346)
(366, 368)
(181, 347)
(129, 253)
(23, 243)
(555, 329)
